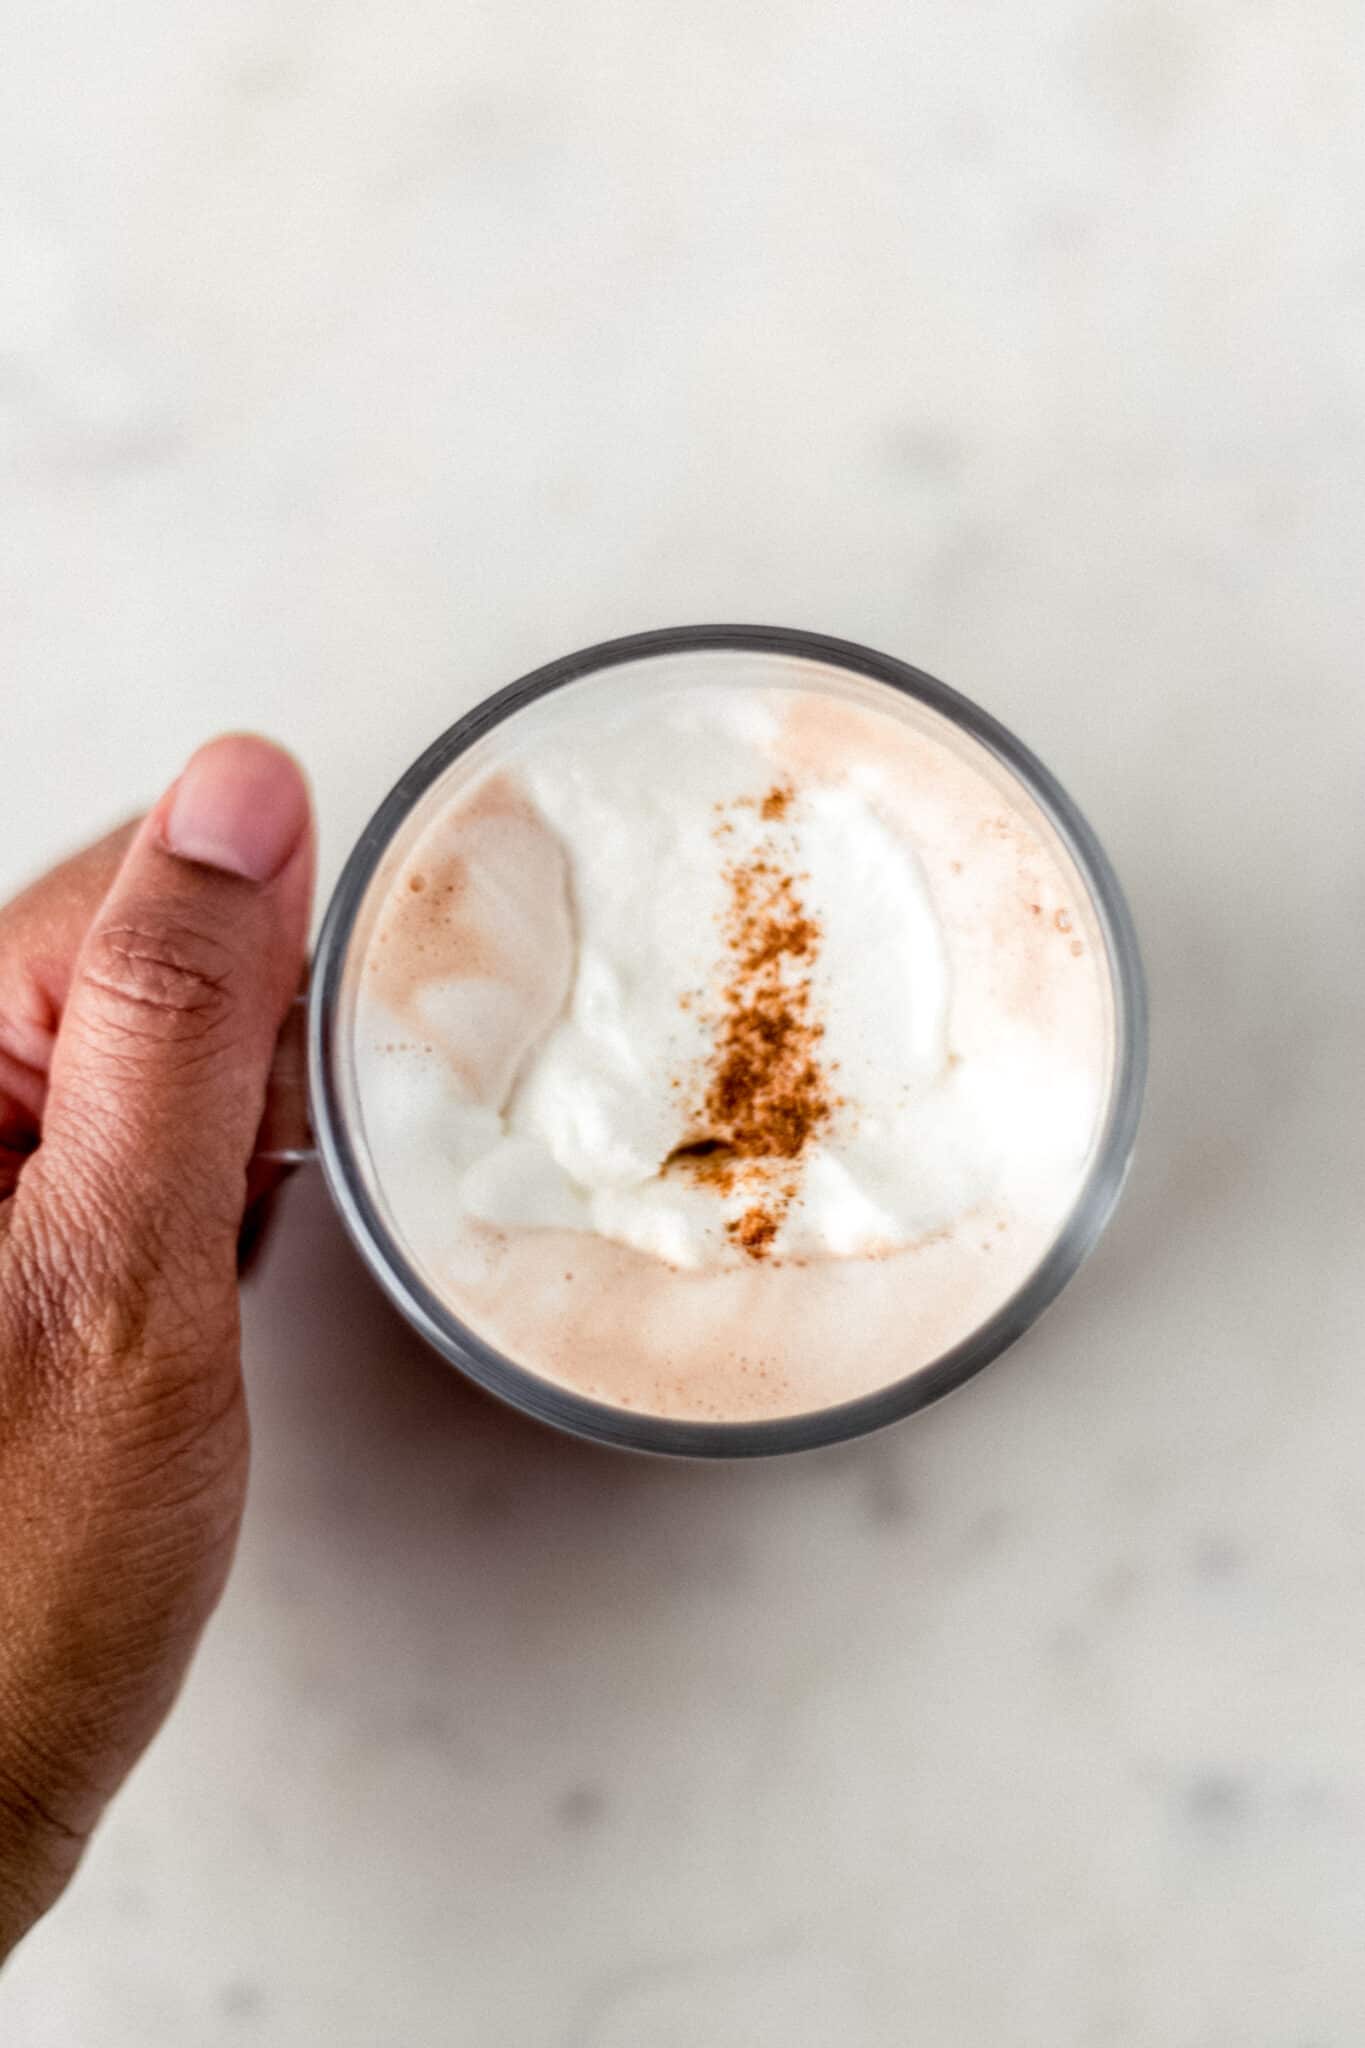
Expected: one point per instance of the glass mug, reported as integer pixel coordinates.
(678, 655)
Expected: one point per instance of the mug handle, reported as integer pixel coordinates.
(285, 1137)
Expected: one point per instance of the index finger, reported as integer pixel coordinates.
(41, 933)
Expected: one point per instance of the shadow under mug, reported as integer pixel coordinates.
(321, 1017)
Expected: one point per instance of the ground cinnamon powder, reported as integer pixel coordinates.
(766, 1093)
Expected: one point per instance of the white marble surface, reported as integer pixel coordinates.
(354, 358)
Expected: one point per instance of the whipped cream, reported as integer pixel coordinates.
(546, 985)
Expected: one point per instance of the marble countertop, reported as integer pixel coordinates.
(354, 359)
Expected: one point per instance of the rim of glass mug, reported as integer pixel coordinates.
(328, 1052)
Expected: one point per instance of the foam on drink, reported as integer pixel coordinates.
(727, 1052)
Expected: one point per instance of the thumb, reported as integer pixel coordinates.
(159, 1071)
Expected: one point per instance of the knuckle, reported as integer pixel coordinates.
(134, 1314)
(144, 1190)
(137, 1375)
(28, 1018)
(38, 1304)
(160, 979)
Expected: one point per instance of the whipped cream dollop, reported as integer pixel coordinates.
(563, 968)
(617, 1089)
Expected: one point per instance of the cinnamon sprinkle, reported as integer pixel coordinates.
(754, 1231)
(766, 1094)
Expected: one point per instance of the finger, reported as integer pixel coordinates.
(17, 1143)
(158, 1073)
(41, 932)
(258, 1221)
(284, 1138)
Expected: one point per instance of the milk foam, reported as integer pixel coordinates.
(539, 1004)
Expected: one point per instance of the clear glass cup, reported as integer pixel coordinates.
(487, 735)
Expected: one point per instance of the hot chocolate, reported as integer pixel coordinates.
(729, 1050)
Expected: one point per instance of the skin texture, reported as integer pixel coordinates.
(142, 986)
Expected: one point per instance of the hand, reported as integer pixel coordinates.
(142, 986)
